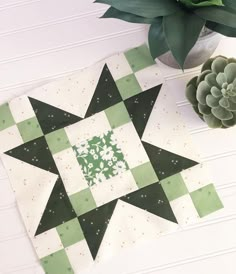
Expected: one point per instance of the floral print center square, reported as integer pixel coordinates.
(100, 158)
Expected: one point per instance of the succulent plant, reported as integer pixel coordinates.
(213, 93)
(175, 24)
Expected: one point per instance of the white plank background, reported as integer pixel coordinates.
(41, 40)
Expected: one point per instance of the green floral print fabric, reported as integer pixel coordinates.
(100, 158)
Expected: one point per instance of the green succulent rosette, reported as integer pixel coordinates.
(213, 93)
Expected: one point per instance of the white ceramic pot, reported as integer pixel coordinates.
(202, 51)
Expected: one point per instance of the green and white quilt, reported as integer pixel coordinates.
(100, 161)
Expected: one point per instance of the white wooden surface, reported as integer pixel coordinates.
(44, 39)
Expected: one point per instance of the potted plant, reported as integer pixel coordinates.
(183, 33)
(213, 93)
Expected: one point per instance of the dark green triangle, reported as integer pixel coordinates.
(105, 95)
(94, 225)
(140, 107)
(152, 199)
(166, 163)
(35, 153)
(51, 118)
(58, 208)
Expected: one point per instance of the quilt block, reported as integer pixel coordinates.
(100, 161)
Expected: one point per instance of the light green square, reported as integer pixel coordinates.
(144, 175)
(6, 118)
(30, 129)
(139, 58)
(57, 141)
(128, 86)
(82, 201)
(206, 200)
(70, 232)
(117, 115)
(174, 187)
(57, 263)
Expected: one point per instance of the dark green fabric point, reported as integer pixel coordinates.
(58, 209)
(35, 153)
(140, 107)
(51, 118)
(166, 163)
(94, 225)
(152, 199)
(105, 95)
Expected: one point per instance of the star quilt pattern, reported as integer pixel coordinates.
(99, 163)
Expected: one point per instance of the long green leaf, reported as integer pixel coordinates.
(222, 29)
(129, 17)
(219, 15)
(145, 8)
(157, 40)
(182, 30)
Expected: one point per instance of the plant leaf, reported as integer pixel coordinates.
(147, 8)
(211, 79)
(222, 29)
(191, 91)
(230, 72)
(222, 113)
(207, 65)
(219, 64)
(204, 109)
(224, 102)
(202, 76)
(182, 30)
(218, 14)
(203, 90)
(190, 3)
(212, 121)
(230, 3)
(231, 122)
(232, 106)
(157, 40)
(216, 92)
(129, 17)
(212, 101)
(221, 78)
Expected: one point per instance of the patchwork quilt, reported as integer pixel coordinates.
(100, 161)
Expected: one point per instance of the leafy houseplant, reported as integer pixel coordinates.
(176, 24)
(213, 93)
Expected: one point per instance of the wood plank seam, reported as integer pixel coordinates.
(18, 4)
(186, 261)
(53, 22)
(71, 45)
